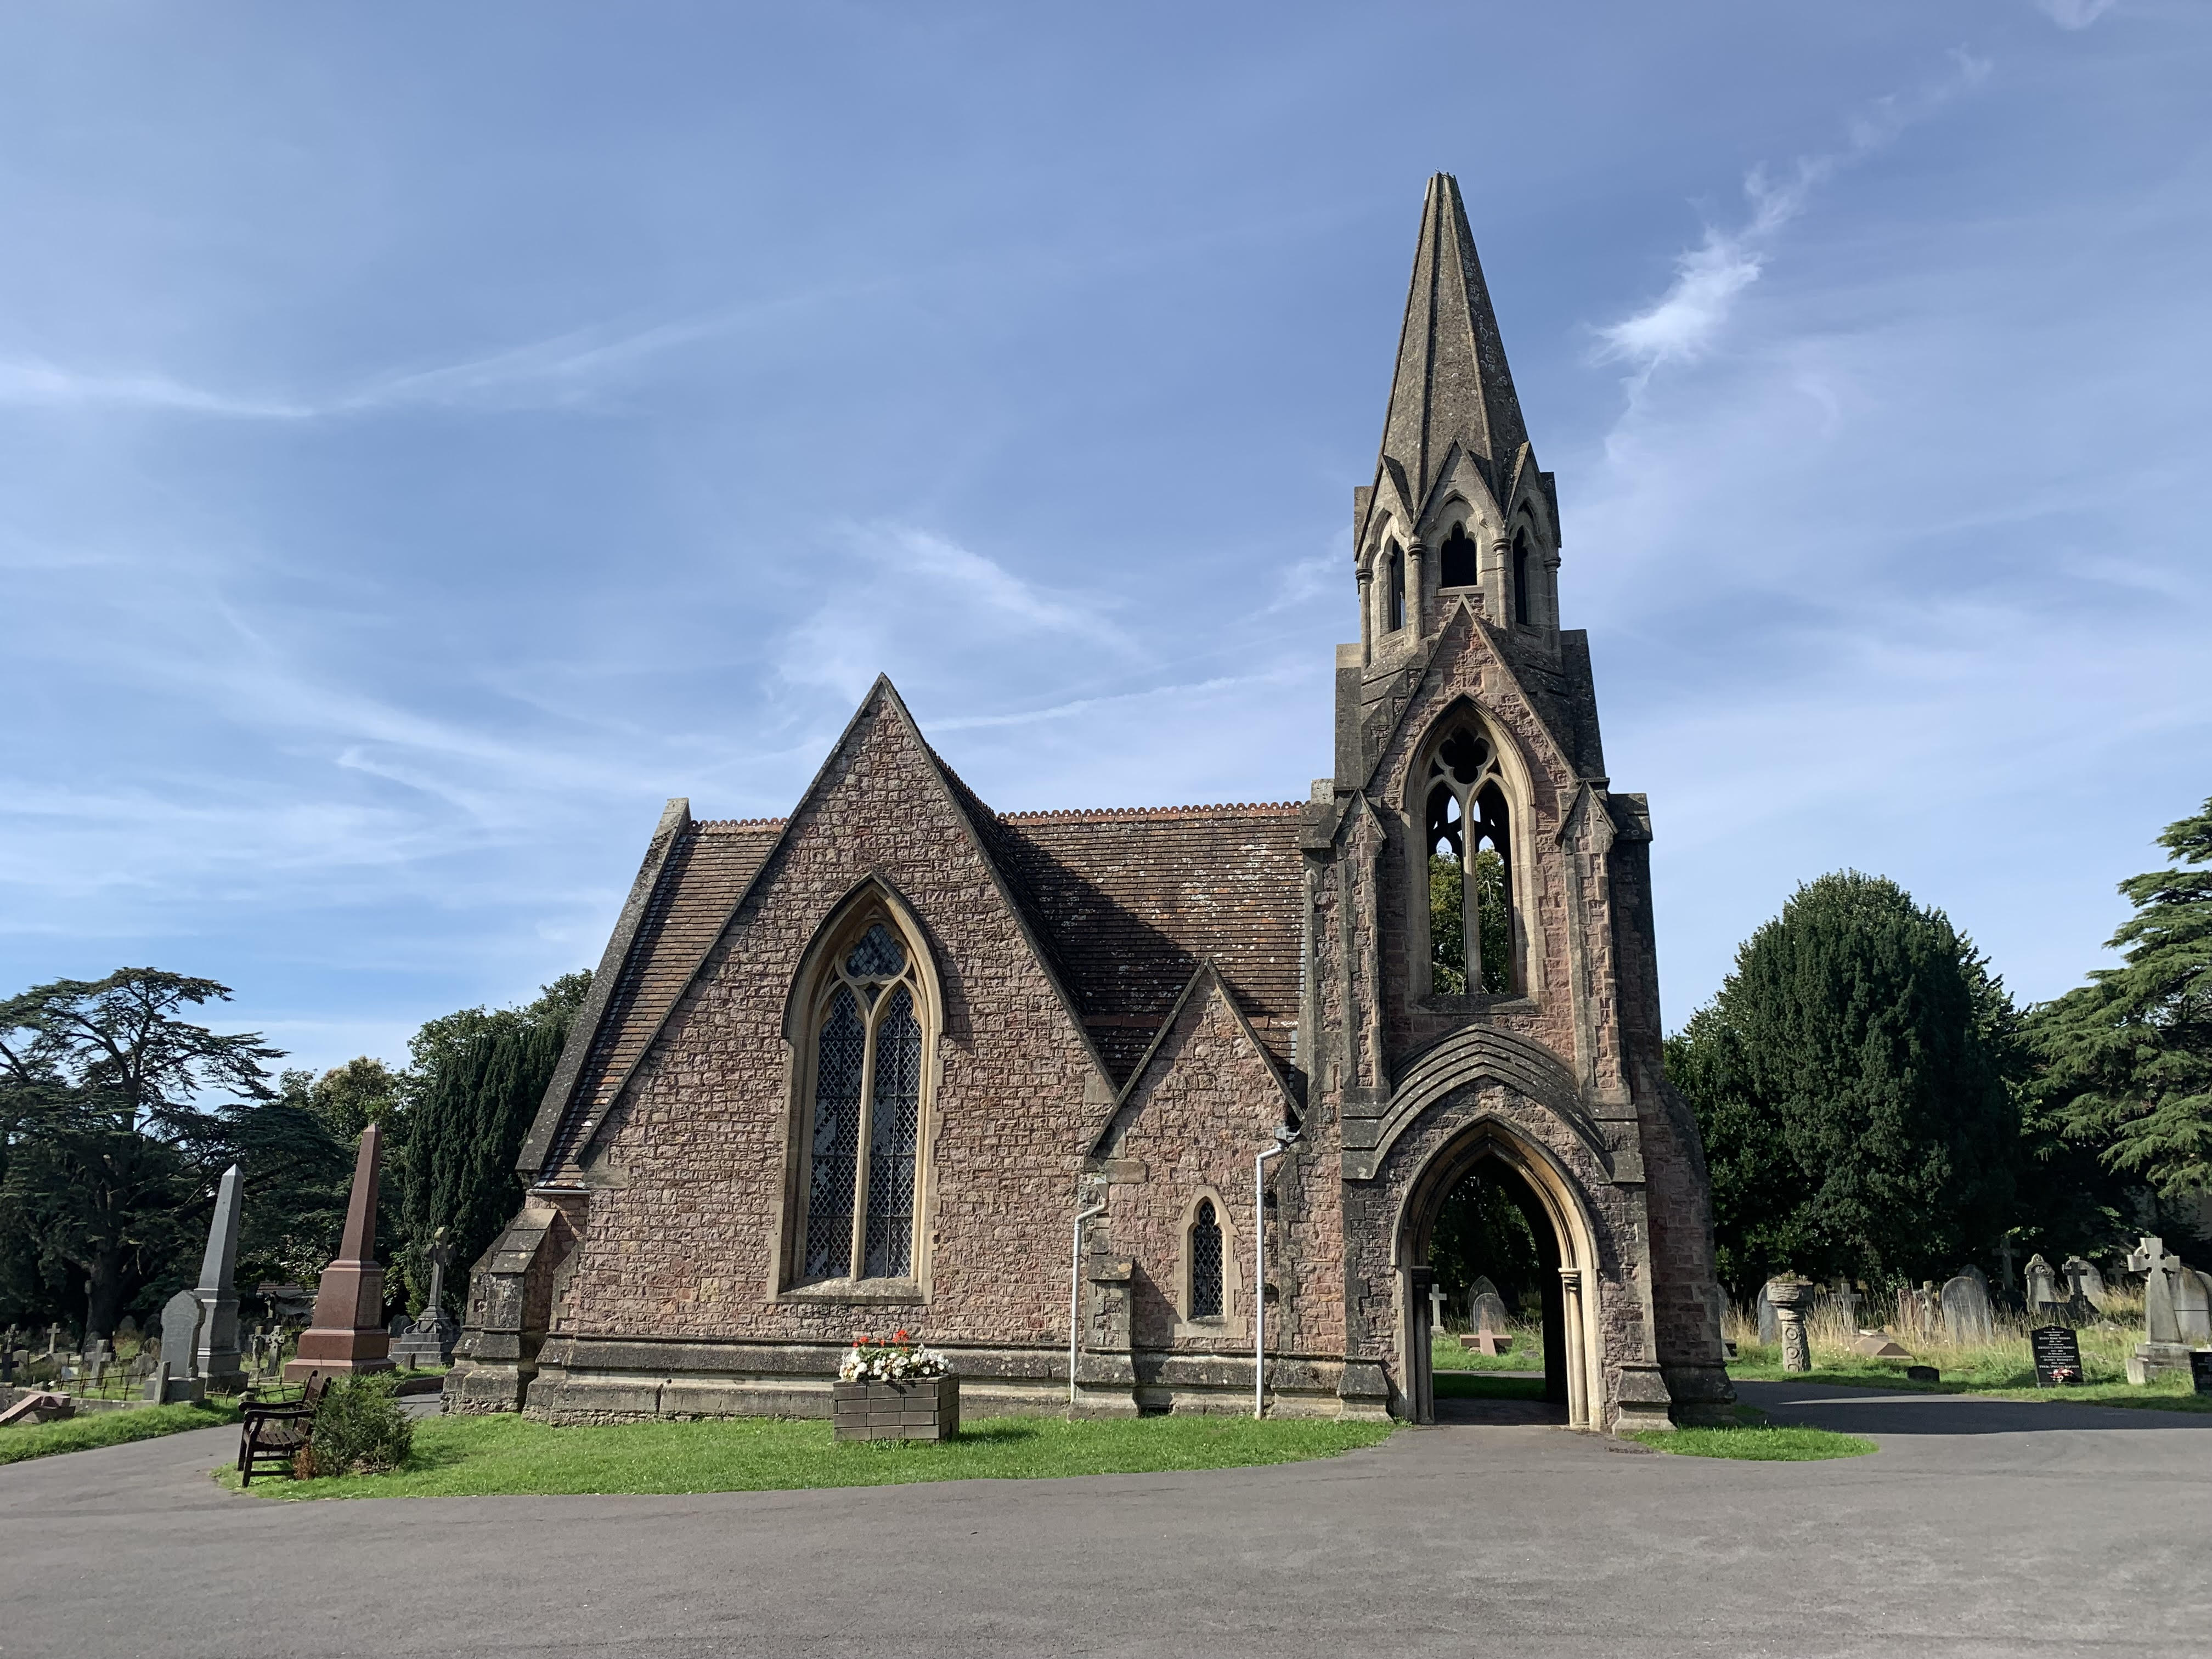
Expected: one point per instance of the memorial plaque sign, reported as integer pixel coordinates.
(2057, 1353)
(2200, 1369)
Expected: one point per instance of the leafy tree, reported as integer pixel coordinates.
(2127, 1057)
(475, 1085)
(109, 1146)
(1852, 1084)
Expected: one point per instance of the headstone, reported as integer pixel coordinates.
(1770, 1328)
(220, 1364)
(2042, 1287)
(349, 1334)
(1490, 1312)
(2058, 1352)
(2162, 1349)
(2192, 1308)
(182, 1318)
(53, 1339)
(1970, 1271)
(1966, 1316)
(129, 1328)
(2083, 1281)
(2005, 1253)
(2200, 1370)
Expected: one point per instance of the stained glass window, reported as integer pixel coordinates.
(836, 1140)
(896, 1124)
(1205, 1263)
(864, 1133)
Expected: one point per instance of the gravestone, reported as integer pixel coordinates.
(429, 1341)
(2042, 1287)
(129, 1328)
(1770, 1328)
(1970, 1271)
(179, 1378)
(349, 1334)
(2005, 1253)
(221, 1365)
(2058, 1352)
(1490, 1312)
(2162, 1349)
(1966, 1316)
(2200, 1370)
(2193, 1309)
(2084, 1281)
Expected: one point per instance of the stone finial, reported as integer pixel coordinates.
(1792, 1297)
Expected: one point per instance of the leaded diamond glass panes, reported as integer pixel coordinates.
(878, 956)
(895, 1128)
(1205, 1263)
(837, 1138)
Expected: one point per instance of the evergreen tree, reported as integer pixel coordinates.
(1850, 1084)
(471, 1093)
(2127, 1057)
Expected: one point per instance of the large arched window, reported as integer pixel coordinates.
(1470, 846)
(1459, 565)
(864, 1121)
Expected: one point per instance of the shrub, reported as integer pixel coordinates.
(360, 1428)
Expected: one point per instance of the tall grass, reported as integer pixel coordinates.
(2002, 1362)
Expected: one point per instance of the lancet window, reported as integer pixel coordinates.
(864, 1121)
(1524, 566)
(1393, 588)
(1470, 845)
(1205, 1250)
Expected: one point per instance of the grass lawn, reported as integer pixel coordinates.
(1756, 1441)
(1447, 1353)
(469, 1456)
(2168, 1394)
(110, 1429)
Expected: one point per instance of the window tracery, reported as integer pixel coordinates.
(1460, 565)
(864, 1121)
(1470, 850)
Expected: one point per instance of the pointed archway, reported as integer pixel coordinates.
(1564, 1246)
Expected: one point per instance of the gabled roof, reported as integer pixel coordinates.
(1118, 905)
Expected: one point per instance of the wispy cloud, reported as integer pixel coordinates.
(1684, 322)
(2074, 14)
(29, 382)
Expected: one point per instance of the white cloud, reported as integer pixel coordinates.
(2074, 14)
(1682, 324)
(45, 386)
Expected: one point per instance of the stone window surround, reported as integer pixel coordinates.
(872, 902)
(1234, 1324)
(1511, 773)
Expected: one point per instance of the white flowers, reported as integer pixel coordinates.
(872, 1359)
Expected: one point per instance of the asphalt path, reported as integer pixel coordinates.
(1981, 1528)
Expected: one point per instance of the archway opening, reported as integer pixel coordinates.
(1496, 1257)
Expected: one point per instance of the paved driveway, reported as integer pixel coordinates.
(1981, 1528)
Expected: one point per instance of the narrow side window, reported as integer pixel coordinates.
(1204, 1262)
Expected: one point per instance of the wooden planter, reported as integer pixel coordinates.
(926, 1408)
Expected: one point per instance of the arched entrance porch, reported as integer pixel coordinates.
(1559, 1225)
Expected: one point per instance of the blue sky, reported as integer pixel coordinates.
(431, 436)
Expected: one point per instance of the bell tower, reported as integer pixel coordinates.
(1483, 981)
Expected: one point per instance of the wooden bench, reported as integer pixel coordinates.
(272, 1433)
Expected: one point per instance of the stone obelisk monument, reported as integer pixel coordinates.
(348, 1333)
(220, 1362)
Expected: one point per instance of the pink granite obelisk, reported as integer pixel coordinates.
(348, 1333)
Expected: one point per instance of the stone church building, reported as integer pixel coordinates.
(899, 1060)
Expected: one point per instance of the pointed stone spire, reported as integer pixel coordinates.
(219, 1361)
(1452, 385)
(349, 1334)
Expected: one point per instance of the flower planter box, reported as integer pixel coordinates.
(922, 1408)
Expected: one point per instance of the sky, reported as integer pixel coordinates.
(430, 437)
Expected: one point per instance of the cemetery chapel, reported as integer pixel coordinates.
(902, 1063)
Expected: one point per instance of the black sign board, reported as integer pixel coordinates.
(2058, 1352)
(2200, 1369)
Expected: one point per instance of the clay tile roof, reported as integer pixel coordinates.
(708, 869)
(1133, 898)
